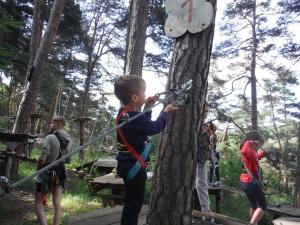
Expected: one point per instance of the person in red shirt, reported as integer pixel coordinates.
(250, 176)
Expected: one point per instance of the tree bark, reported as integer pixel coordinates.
(137, 37)
(297, 178)
(253, 76)
(34, 80)
(175, 166)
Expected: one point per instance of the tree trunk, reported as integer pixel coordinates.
(83, 111)
(137, 37)
(175, 166)
(286, 147)
(225, 134)
(297, 178)
(34, 80)
(253, 76)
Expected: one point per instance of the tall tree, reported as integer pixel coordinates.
(290, 16)
(297, 178)
(278, 102)
(35, 77)
(245, 24)
(136, 37)
(103, 39)
(175, 166)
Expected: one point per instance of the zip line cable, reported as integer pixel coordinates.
(68, 98)
(75, 151)
(91, 136)
(98, 151)
(21, 92)
(173, 95)
(273, 160)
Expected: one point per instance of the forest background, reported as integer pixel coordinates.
(88, 54)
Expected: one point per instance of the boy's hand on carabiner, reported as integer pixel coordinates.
(150, 101)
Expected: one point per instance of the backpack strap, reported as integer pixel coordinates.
(128, 145)
(63, 144)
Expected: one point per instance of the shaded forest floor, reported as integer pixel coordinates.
(17, 207)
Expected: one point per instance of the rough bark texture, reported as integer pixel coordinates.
(253, 76)
(175, 166)
(297, 178)
(137, 37)
(34, 80)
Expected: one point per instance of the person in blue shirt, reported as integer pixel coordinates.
(132, 138)
(214, 166)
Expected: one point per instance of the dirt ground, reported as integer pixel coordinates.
(17, 206)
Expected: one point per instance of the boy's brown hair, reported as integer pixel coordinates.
(253, 136)
(60, 119)
(126, 86)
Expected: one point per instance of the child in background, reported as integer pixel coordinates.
(250, 176)
(130, 90)
(215, 167)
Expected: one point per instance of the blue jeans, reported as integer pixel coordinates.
(211, 173)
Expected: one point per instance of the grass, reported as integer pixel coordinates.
(76, 199)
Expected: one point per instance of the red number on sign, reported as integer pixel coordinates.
(190, 9)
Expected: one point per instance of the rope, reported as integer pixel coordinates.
(78, 149)
(273, 160)
(185, 87)
(68, 98)
(100, 144)
(58, 97)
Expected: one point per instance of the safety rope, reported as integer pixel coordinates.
(107, 125)
(172, 95)
(273, 160)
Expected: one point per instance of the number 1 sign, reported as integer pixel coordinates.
(187, 15)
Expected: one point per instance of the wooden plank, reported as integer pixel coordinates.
(105, 216)
(226, 220)
(287, 221)
(75, 219)
(285, 210)
(21, 157)
(108, 178)
(108, 196)
(106, 161)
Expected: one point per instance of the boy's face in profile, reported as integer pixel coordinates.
(141, 97)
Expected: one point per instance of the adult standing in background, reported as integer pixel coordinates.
(50, 152)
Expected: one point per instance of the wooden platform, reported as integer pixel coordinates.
(218, 218)
(112, 216)
(216, 191)
(287, 221)
(284, 210)
(105, 164)
(112, 183)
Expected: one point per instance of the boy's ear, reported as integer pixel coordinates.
(134, 98)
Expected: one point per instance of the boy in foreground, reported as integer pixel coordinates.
(130, 90)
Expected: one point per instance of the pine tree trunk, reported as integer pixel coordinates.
(253, 76)
(83, 111)
(136, 37)
(297, 178)
(34, 80)
(175, 166)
